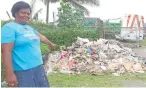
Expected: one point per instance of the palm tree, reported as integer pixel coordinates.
(75, 3)
(8, 14)
(32, 4)
(35, 17)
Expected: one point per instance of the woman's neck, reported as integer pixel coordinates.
(19, 22)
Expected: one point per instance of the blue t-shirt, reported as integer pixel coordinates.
(26, 53)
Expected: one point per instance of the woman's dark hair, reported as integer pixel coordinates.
(19, 5)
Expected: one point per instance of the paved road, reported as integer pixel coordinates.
(133, 83)
(141, 51)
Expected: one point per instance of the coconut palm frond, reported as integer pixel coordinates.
(76, 4)
(89, 2)
(36, 14)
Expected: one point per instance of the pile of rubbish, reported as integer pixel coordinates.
(95, 57)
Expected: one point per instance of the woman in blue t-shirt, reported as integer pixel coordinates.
(21, 52)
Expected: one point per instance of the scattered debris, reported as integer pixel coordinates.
(95, 57)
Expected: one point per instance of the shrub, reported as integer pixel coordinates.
(67, 36)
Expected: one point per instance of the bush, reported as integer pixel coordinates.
(41, 25)
(2, 73)
(68, 36)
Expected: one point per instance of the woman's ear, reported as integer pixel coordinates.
(16, 14)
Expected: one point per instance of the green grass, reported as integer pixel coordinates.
(87, 80)
(143, 42)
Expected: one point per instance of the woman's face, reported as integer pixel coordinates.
(23, 15)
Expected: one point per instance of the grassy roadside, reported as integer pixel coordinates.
(87, 80)
(143, 42)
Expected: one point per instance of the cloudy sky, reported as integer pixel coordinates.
(108, 9)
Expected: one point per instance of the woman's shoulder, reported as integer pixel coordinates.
(12, 25)
(9, 24)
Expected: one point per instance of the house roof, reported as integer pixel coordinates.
(92, 18)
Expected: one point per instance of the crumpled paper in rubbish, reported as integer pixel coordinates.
(95, 57)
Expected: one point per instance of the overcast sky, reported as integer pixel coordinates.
(108, 9)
